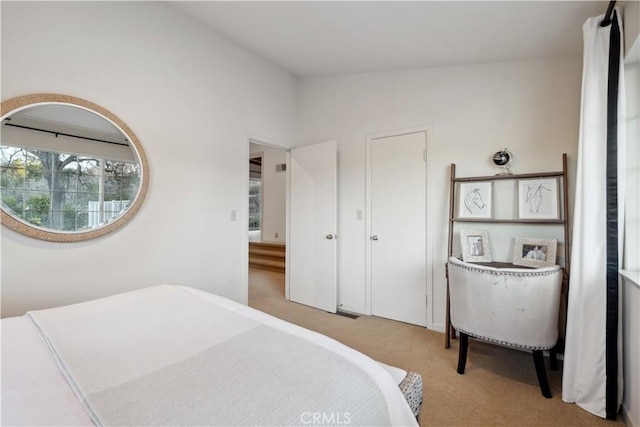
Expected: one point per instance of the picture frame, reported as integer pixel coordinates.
(475, 246)
(538, 198)
(475, 200)
(534, 252)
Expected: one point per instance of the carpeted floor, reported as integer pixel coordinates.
(499, 387)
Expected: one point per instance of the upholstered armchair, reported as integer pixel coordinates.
(511, 306)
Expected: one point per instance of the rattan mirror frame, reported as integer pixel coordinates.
(14, 104)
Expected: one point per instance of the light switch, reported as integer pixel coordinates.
(233, 215)
(359, 214)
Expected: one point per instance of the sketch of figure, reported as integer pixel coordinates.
(535, 196)
(473, 201)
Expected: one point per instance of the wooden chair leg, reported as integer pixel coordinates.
(553, 358)
(462, 355)
(538, 360)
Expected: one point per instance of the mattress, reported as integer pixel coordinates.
(36, 391)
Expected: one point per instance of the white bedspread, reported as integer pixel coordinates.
(178, 356)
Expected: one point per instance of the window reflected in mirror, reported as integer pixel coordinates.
(65, 192)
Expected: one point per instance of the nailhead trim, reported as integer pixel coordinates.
(503, 342)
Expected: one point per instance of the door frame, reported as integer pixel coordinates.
(428, 130)
(267, 142)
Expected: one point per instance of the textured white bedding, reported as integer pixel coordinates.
(34, 392)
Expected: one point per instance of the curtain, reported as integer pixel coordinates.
(592, 373)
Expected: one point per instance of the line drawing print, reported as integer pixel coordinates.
(535, 197)
(473, 201)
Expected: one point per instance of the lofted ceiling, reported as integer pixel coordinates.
(317, 38)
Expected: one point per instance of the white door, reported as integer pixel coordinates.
(398, 228)
(312, 247)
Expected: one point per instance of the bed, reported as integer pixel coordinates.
(174, 355)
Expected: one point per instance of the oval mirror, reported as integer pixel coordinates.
(70, 169)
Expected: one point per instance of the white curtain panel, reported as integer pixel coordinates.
(584, 380)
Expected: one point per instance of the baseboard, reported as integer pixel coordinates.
(626, 415)
(438, 327)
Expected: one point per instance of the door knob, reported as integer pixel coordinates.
(374, 237)
(329, 236)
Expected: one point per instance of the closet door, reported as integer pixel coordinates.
(398, 228)
(312, 246)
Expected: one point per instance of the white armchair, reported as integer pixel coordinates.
(513, 306)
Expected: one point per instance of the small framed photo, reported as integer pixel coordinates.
(535, 252)
(538, 198)
(475, 246)
(475, 200)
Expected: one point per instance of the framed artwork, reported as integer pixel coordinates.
(475, 200)
(535, 252)
(475, 246)
(538, 198)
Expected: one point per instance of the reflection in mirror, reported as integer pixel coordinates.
(69, 171)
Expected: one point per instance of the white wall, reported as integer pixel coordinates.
(631, 26)
(530, 107)
(630, 282)
(631, 344)
(631, 260)
(273, 193)
(192, 98)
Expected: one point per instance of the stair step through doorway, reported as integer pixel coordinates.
(267, 256)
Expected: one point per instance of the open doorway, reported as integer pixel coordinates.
(267, 208)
